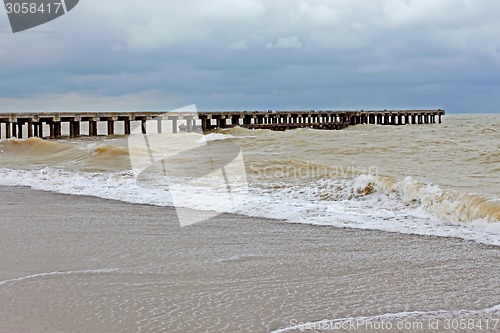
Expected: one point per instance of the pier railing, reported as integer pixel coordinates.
(57, 125)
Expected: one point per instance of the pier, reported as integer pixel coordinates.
(75, 124)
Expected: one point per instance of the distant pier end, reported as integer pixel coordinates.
(75, 124)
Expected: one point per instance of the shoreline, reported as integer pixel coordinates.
(273, 220)
(262, 272)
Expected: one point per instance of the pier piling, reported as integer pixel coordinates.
(202, 121)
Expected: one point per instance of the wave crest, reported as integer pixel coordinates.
(445, 204)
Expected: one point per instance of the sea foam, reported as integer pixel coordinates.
(365, 202)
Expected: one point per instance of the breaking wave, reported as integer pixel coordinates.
(365, 202)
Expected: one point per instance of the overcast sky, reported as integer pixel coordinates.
(256, 54)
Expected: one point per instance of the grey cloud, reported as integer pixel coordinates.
(270, 54)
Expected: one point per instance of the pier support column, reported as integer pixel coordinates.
(204, 125)
(74, 129)
(1, 130)
(57, 130)
(20, 130)
(440, 119)
(221, 123)
(189, 125)
(30, 128)
(159, 124)
(40, 129)
(92, 128)
(14, 130)
(175, 128)
(143, 126)
(8, 133)
(235, 120)
(111, 127)
(51, 130)
(126, 127)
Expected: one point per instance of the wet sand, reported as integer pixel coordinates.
(83, 264)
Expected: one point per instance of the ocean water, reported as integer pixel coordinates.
(440, 180)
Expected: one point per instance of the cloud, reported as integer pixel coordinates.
(391, 52)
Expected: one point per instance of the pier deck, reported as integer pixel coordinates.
(21, 125)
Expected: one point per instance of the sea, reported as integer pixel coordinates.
(440, 180)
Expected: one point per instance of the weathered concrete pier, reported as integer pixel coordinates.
(57, 125)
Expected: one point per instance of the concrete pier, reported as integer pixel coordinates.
(21, 125)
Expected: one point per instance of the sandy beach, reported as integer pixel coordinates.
(83, 264)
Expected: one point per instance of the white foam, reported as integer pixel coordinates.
(388, 207)
(199, 194)
(57, 273)
(220, 137)
(335, 324)
(215, 137)
(366, 202)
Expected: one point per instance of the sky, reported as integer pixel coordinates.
(125, 55)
